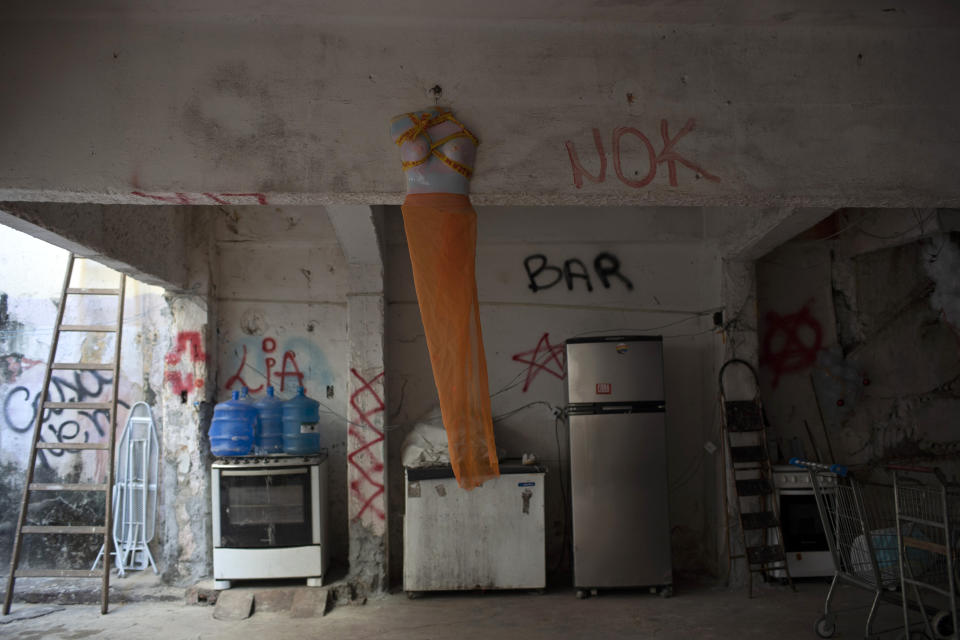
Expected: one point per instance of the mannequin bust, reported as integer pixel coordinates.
(436, 150)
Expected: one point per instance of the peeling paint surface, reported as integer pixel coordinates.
(885, 386)
(30, 276)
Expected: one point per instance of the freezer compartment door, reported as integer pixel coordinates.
(614, 371)
(621, 526)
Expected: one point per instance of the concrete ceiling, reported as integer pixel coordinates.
(895, 14)
(786, 104)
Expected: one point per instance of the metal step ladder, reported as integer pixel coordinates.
(745, 438)
(30, 486)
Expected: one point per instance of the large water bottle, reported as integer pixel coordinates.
(300, 417)
(269, 437)
(231, 431)
(246, 398)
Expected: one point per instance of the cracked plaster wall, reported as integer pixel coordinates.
(32, 272)
(880, 291)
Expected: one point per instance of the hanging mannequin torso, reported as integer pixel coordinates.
(436, 150)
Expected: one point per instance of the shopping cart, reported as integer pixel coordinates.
(928, 515)
(859, 520)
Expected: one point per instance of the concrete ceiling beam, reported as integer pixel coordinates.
(767, 229)
(778, 104)
(146, 243)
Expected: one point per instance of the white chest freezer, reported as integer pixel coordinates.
(492, 537)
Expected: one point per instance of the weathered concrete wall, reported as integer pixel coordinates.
(31, 273)
(692, 102)
(674, 273)
(186, 410)
(282, 284)
(861, 317)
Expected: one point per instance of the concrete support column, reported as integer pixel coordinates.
(186, 408)
(366, 433)
(187, 399)
(366, 441)
(739, 295)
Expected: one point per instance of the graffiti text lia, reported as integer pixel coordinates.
(288, 371)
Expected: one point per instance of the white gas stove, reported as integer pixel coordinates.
(269, 518)
(808, 554)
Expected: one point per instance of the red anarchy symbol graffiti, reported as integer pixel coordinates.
(791, 343)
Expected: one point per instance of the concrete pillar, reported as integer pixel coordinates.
(739, 294)
(189, 393)
(357, 230)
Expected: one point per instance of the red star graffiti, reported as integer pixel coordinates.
(544, 357)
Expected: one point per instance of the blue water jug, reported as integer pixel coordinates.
(231, 431)
(300, 417)
(269, 437)
(245, 397)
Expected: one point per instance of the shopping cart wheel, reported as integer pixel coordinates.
(942, 624)
(826, 627)
(581, 594)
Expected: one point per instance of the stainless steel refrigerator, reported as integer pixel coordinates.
(618, 463)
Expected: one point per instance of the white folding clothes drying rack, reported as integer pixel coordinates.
(135, 492)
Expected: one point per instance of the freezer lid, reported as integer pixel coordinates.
(612, 369)
(437, 472)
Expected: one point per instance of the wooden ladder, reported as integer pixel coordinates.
(745, 437)
(30, 486)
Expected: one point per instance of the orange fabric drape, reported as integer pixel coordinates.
(441, 233)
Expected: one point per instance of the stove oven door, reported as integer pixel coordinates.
(264, 508)
(808, 554)
(802, 529)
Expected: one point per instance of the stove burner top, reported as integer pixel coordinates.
(791, 477)
(278, 460)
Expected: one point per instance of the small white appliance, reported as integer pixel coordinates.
(491, 537)
(804, 541)
(269, 518)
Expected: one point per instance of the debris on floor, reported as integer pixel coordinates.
(234, 605)
(27, 613)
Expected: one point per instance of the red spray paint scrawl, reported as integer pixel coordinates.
(203, 198)
(668, 154)
(195, 343)
(363, 458)
(288, 369)
(188, 342)
(791, 342)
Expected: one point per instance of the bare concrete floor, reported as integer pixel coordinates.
(701, 613)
